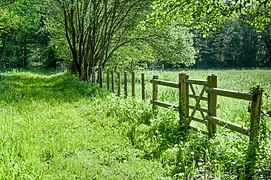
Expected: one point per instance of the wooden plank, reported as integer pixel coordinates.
(196, 97)
(199, 120)
(230, 93)
(154, 93)
(196, 105)
(165, 83)
(196, 82)
(164, 105)
(228, 125)
(254, 138)
(198, 130)
(192, 89)
(183, 100)
(212, 102)
(198, 108)
(255, 114)
(186, 97)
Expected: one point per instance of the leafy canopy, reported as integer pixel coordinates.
(208, 14)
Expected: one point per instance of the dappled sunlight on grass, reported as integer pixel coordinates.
(59, 87)
(57, 127)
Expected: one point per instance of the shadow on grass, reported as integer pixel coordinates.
(18, 86)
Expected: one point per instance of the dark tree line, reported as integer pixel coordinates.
(236, 45)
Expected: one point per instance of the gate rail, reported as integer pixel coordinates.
(209, 115)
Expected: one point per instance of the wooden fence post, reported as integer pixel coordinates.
(119, 83)
(154, 93)
(212, 102)
(93, 74)
(133, 84)
(100, 77)
(112, 81)
(254, 131)
(183, 100)
(108, 79)
(143, 86)
(125, 84)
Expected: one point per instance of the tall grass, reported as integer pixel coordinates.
(227, 152)
(58, 127)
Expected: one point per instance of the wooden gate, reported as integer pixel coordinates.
(196, 91)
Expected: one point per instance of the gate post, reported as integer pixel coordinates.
(212, 102)
(183, 100)
(154, 93)
(254, 131)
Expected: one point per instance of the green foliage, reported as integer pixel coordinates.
(170, 45)
(22, 40)
(135, 55)
(5, 20)
(94, 30)
(173, 45)
(208, 14)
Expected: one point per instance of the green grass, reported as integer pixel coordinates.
(234, 146)
(56, 126)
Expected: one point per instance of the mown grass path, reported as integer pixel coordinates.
(57, 127)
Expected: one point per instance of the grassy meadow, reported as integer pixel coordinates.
(55, 126)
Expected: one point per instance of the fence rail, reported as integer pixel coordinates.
(229, 125)
(195, 81)
(165, 83)
(165, 105)
(229, 93)
(209, 115)
(187, 110)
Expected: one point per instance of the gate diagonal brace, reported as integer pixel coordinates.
(197, 104)
(196, 98)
